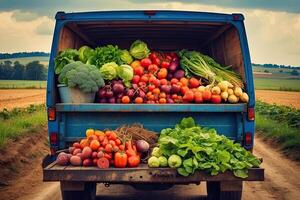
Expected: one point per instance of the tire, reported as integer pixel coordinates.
(89, 193)
(214, 192)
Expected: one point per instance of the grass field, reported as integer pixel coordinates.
(44, 60)
(26, 84)
(19, 121)
(277, 84)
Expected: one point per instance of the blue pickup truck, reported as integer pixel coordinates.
(222, 36)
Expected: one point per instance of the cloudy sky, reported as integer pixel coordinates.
(273, 26)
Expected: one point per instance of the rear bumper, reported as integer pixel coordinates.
(141, 174)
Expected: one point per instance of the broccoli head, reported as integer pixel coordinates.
(84, 76)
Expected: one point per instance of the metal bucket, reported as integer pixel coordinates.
(74, 95)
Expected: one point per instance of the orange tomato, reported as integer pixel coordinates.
(198, 97)
(138, 100)
(184, 81)
(162, 73)
(89, 132)
(84, 143)
(162, 95)
(156, 91)
(125, 99)
(98, 133)
(135, 64)
(162, 101)
(94, 145)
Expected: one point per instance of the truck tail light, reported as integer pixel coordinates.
(248, 139)
(251, 114)
(150, 12)
(53, 139)
(51, 114)
(52, 151)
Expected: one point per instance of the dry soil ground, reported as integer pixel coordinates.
(23, 178)
(23, 97)
(12, 98)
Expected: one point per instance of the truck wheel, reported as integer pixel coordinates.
(89, 193)
(214, 192)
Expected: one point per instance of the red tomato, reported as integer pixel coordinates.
(112, 135)
(153, 55)
(146, 62)
(152, 79)
(216, 98)
(108, 148)
(174, 80)
(138, 70)
(151, 87)
(112, 142)
(188, 96)
(156, 61)
(118, 141)
(104, 142)
(144, 78)
(184, 89)
(193, 83)
(206, 94)
(136, 79)
(165, 64)
(152, 68)
(163, 81)
(198, 97)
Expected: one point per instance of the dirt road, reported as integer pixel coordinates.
(279, 97)
(282, 182)
(12, 98)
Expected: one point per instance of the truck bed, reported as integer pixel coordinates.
(141, 174)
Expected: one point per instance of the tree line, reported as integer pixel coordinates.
(16, 71)
(276, 66)
(23, 54)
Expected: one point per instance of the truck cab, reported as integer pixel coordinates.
(221, 36)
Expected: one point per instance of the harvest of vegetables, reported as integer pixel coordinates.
(189, 147)
(139, 75)
(186, 148)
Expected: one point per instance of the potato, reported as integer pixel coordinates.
(87, 152)
(62, 159)
(87, 162)
(76, 160)
(76, 151)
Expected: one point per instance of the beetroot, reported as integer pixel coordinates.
(179, 74)
(118, 88)
(62, 159)
(142, 146)
(166, 89)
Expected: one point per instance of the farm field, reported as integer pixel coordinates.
(12, 98)
(277, 84)
(279, 97)
(44, 60)
(19, 84)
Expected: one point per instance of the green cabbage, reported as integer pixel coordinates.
(139, 49)
(85, 53)
(109, 71)
(126, 57)
(125, 72)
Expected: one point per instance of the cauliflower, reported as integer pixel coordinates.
(85, 77)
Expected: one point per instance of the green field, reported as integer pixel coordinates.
(20, 121)
(277, 84)
(23, 84)
(43, 60)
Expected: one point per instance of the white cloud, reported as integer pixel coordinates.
(24, 16)
(273, 36)
(22, 35)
